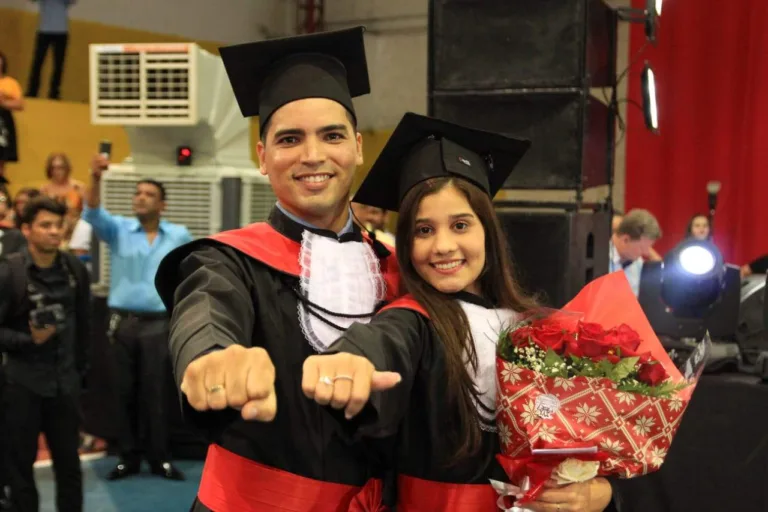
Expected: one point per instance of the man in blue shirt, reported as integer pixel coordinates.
(138, 326)
(52, 31)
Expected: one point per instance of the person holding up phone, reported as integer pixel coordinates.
(44, 330)
(138, 325)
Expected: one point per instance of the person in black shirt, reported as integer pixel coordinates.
(44, 326)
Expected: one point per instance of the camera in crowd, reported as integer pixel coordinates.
(45, 316)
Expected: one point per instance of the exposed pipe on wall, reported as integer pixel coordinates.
(310, 16)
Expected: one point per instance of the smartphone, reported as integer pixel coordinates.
(105, 148)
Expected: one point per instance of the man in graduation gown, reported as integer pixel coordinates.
(250, 305)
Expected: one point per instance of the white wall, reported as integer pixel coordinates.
(226, 21)
(396, 48)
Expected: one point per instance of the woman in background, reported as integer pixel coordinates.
(698, 228)
(11, 100)
(60, 185)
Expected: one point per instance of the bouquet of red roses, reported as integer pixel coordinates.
(588, 391)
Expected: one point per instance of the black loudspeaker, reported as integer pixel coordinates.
(524, 68)
(567, 130)
(556, 254)
(521, 44)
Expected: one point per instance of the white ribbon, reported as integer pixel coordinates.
(505, 490)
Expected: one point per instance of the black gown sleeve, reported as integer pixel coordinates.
(212, 306)
(11, 340)
(395, 340)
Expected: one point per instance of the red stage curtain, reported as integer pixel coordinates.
(711, 67)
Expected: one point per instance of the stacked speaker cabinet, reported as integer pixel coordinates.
(526, 68)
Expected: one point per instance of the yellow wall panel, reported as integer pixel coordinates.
(17, 41)
(46, 126)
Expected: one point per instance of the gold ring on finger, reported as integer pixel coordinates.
(343, 377)
(326, 380)
(216, 388)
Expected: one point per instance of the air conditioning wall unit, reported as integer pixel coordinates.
(194, 200)
(167, 96)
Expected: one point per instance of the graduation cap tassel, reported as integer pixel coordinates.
(379, 248)
(489, 160)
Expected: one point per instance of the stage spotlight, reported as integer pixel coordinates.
(692, 278)
(697, 260)
(650, 106)
(690, 292)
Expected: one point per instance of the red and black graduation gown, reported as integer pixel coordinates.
(242, 286)
(401, 339)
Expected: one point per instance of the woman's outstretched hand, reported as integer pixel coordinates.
(345, 381)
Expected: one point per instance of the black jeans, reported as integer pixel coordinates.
(142, 368)
(59, 44)
(28, 414)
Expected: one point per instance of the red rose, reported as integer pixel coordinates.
(627, 338)
(592, 342)
(645, 357)
(550, 336)
(652, 373)
(591, 331)
(572, 348)
(521, 337)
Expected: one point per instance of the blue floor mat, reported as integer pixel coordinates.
(140, 493)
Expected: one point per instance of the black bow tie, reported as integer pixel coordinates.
(625, 264)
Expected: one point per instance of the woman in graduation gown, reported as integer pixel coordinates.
(441, 338)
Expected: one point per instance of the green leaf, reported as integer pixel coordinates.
(623, 368)
(552, 359)
(554, 365)
(605, 367)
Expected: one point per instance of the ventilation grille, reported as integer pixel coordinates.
(261, 201)
(150, 83)
(190, 203)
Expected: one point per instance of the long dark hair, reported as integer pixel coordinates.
(497, 284)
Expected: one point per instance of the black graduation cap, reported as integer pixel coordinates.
(266, 75)
(424, 147)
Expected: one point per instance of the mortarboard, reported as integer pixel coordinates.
(266, 75)
(423, 147)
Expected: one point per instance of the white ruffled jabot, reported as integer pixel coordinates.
(343, 278)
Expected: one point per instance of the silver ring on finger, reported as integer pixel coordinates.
(343, 377)
(326, 380)
(216, 388)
